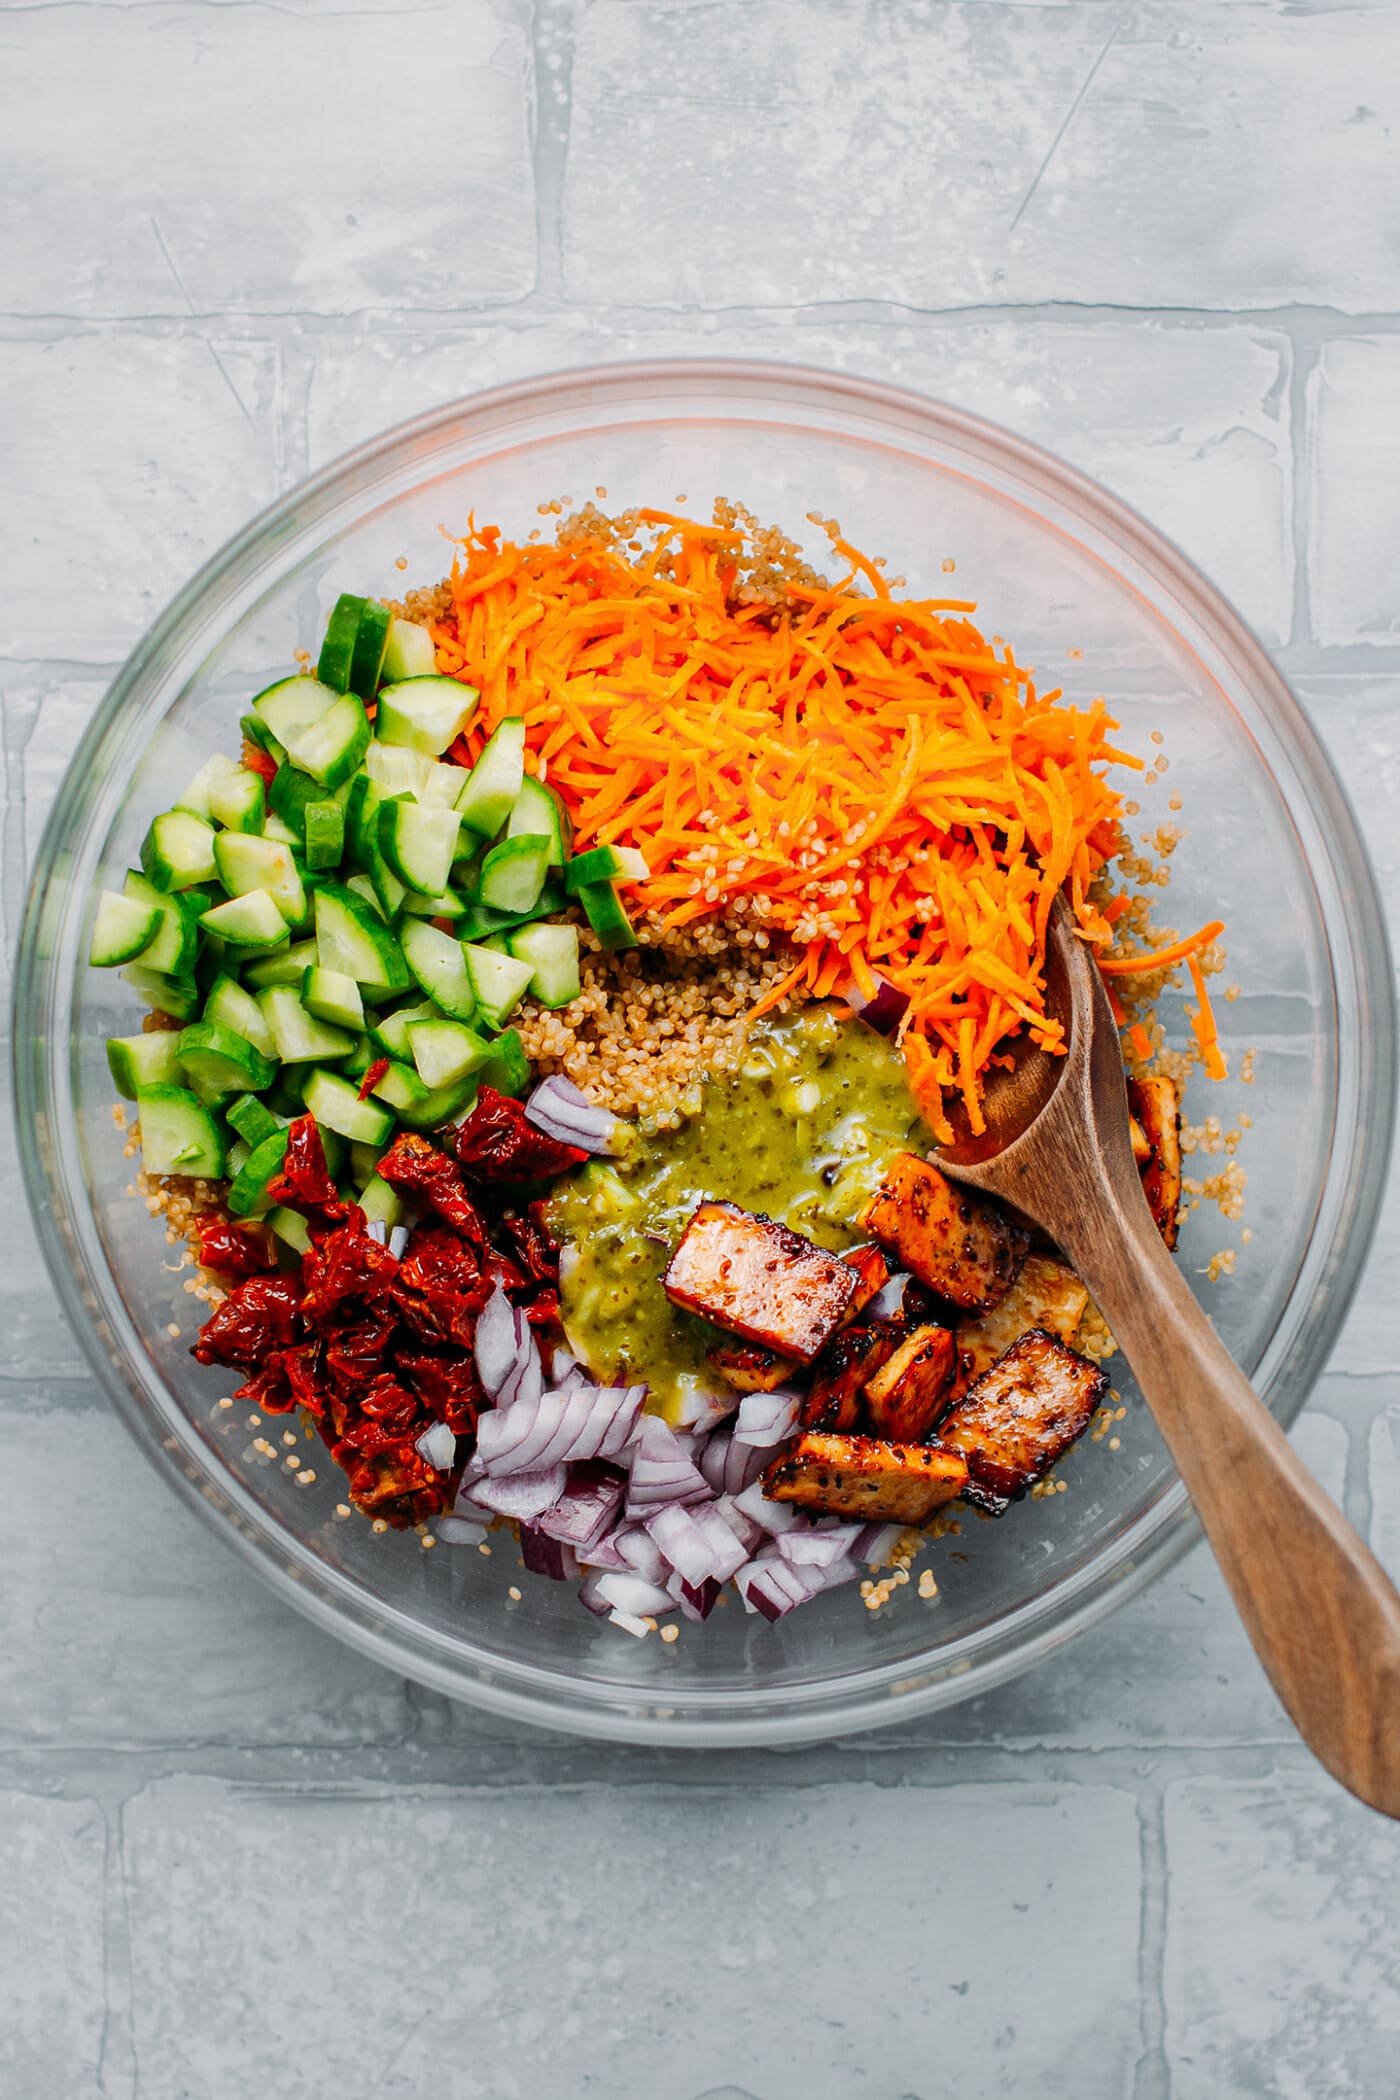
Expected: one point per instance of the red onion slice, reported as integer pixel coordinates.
(876, 1543)
(662, 1470)
(398, 1240)
(437, 1447)
(630, 1593)
(638, 1550)
(749, 1534)
(547, 1556)
(597, 1421)
(588, 1507)
(773, 1516)
(524, 1496)
(815, 1546)
(888, 1302)
(459, 1531)
(698, 1543)
(558, 1109)
(885, 1011)
(774, 1588)
(701, 1408)
(602, 1553)
(696, 1600)
(730, 1467)
(766, 1419)
(507, 1360)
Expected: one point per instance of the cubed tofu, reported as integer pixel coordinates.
(839, 1374)
(1046, 1294)
(874, 1273)
(861, 1476)
(907, 1394)
(1156, 1106)
(963, 1248)
(1020, 1416)
(759, 1280)
(749, 1368)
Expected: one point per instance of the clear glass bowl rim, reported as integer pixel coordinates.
(851, 1699)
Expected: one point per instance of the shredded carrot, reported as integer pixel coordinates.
(883, 784)
(1140, 1040)
(1203, 1023)
(1161, 958)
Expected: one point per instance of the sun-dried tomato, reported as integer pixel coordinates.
(373, 1074)
(531, 1244)
(355, 1352)
(303, 1367)
(343, 1273)
(543, 1309)
(398, 1485)
(234, 1250)
(303, 1181)
(497, 1142)
(441, 1286)
(268, 1388)
(255, 1318)
(447, 1385)
(417, 1168)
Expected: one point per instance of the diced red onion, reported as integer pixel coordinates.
(773, 1516)
(507, 1360)
(696, 1600)
(564, 1361)
(602, 1553)
(884, 1011)
(700, 1407)
(888, 1302)
(744, 1528)
(466, 1504)
(437, 1446)
(662, 1470)
(698, 1543)
(544, 1555)
(876, 1543)
(630, 1593)
(596, 1421)
(398, 1240)
(639, 1552)
(558, 1109)
(843, 1570)
(629, 1623)
(588, 1507)
(774, 1587)
(818, 1546)
(377, 1230)
(459, 1531)
(730, 1467)
(766, 1419)
(522, 1495)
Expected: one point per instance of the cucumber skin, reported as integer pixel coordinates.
(161, 1111)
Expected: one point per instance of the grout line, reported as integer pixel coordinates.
(1306, 359)
(551, 84)
(1152, 2072)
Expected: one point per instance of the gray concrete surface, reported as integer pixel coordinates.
(1161, 237)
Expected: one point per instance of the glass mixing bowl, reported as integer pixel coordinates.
(1098, 602)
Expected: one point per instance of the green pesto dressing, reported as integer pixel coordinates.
(801, 1132)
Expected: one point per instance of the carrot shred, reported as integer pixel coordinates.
(1161, 958)
(1203, 1023)
(888, 782)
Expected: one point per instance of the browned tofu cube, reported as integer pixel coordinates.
(1020, 1416)
(1046, 1294)
(838, 1377)
(960, 1246)
(874, 1273)
(907, 1394)
(1156, 1107)
(759, 1280)
(749, 1368)
(861, 1476)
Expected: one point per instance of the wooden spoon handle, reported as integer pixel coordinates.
(1322, 1613)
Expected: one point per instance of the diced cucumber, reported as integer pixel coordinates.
(256, 731)
(338, 649)
(538, 813)
(351, 938)
(437, 961)
(389, 1034)
(371, 640)
(227, 1063)
(552, 953)
(362, 811)
(292, 705)
(325, 835)
(423, 1107)
(507, 1069)
(425, 713)
(176, 996)
(408, 652)
(448, 906)
(252, 1120)
(251, 923)
(173, 947)
(288, 966)
(488, 796)
(280, 831)
(121, 928)
(479, 923)
(246, 864)
(395, 770)
(444, 1051)
(605, 864)
(196, 795)
(360, 1059)
(232, 1006)
(329, 995)
(381, 1204)
(418, 844)
(135, 1061)
(442, 784)
(248, 1190)
(214, 1098)
(291, 1228)
(498, 981)
(300, 1038)
(238, 800)
(607, 915)
(364, 1163)
(178, 1134)
(284, 1096)
(336, 1105)
(290, 793)
(235, 1158)
(513, 873)
(331, 747)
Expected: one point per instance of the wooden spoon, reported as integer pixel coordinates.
(1320, 1610)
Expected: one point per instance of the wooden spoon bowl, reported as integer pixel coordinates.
(1322, 1613)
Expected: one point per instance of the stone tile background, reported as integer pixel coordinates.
(1160, 236)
